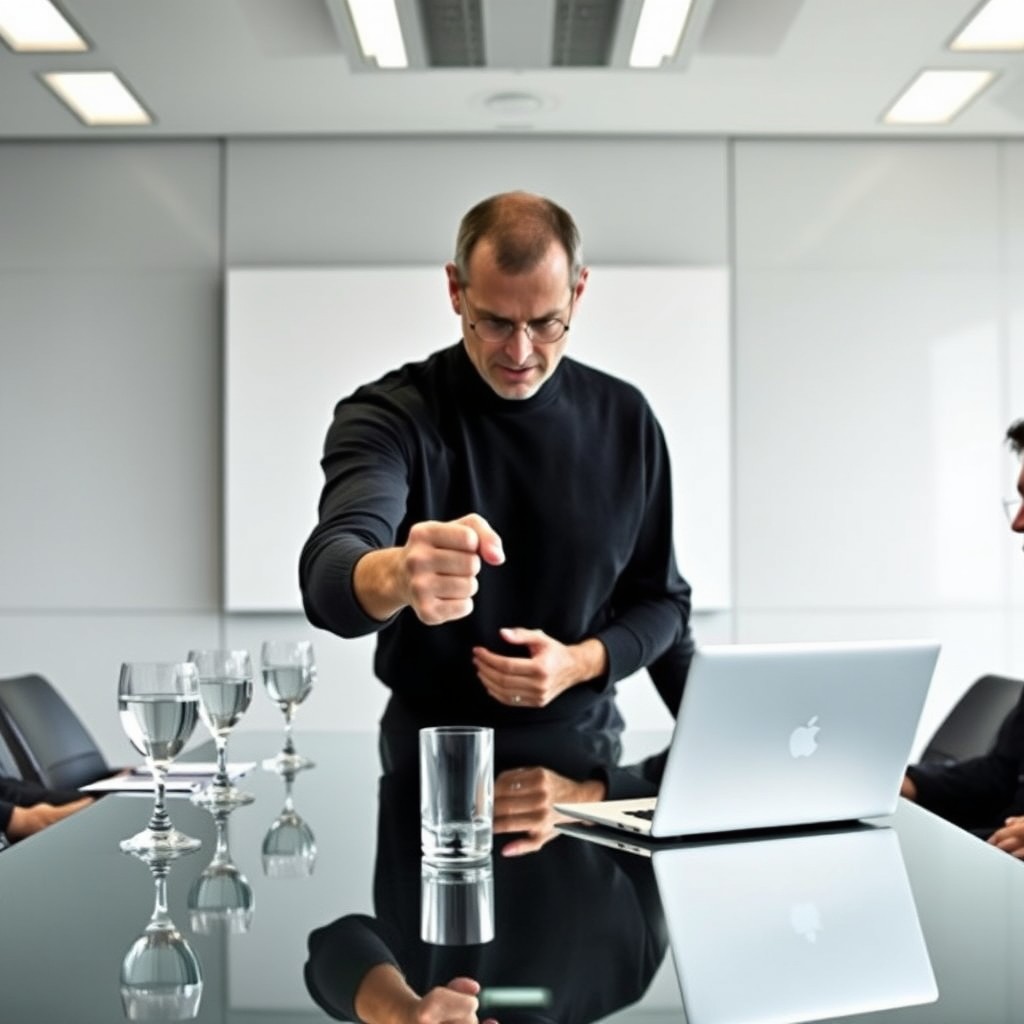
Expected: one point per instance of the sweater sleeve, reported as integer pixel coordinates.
(362, 504)
(341, 954)
(651, 602)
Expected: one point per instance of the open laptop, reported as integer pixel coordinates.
(778, 735)
(793, 928)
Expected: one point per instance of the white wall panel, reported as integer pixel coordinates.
(379, 201)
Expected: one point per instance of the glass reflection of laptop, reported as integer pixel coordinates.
(778, 735)
(793, 928)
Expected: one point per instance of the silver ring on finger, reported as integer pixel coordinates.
(517, 699)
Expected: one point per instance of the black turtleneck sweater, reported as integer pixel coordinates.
(576, 482)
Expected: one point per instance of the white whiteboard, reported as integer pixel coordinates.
(299, 339)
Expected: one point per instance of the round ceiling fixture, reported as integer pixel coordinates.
(514, 103)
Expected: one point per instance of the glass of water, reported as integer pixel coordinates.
(456, 793)
(289, 671)
(159, 706)
(225, 691)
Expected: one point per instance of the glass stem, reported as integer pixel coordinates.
(221, 780)
(160, 821)
(289, 714)
(160, 914)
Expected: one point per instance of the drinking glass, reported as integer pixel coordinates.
(225, 690)
(221, 895)
(159, 705)
(160, 974)
(289, 847)
(288, 674)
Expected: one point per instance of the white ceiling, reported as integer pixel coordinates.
(230, 68)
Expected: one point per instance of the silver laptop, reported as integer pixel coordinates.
(793, 928)
(776, 735)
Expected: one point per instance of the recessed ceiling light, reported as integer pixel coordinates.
(36, 26)
(514, 102)
(997, 25)
(380, 34)
(97, 97)
(658, 32)
(937, 96)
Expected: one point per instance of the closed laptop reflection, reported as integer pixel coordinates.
(793, 928)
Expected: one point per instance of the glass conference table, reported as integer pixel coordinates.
(910, 920)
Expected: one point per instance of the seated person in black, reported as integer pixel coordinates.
(984, 794)
(27, 808)
(576, 924)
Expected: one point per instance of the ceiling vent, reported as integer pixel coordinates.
(518, 34)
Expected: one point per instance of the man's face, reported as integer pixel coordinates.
(516, 367)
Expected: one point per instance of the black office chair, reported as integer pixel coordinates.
(971, 727)
(48, 742)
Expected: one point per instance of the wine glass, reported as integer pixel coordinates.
(221, 894)
(159, 705)
(289, 847)
(288, 674)
(160, 974)
(225, 690)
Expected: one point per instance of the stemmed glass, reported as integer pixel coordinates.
(221, 894)
(159, 705)
(225, 690)
(288, 674)
(289, 847)
(160, 974)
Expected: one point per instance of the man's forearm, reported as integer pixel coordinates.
(376, 582)
(591, 659)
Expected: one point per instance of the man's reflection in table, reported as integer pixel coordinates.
(578, 930)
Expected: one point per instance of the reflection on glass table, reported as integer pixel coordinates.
(289, 847)
(793, 928)
(457, 903)
(225, 692)
(221, 895)
(289, 671)
(160, 974)
(158, 704)
(514, 927)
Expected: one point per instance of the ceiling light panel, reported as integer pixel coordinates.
(37, 26)
(379, 32)
(937, 96)
(997, 25)
(658, 32)
(97, 98)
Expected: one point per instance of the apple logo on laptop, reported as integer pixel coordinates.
(802, 741)
(805, 920)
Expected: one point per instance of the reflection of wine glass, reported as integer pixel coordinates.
(289, 847)
(225, 690)
(160, 975)
(221, 894)
(159, 705)
(288, 674)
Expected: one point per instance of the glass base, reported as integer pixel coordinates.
(149, 845)
(285, 763)
(221, 798)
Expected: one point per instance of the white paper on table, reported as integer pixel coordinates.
(181, 777)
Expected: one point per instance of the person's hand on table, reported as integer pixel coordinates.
(384, 997)
(523, 802)
(1010, 837)
(27, 821)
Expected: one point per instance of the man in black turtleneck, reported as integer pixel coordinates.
(501, 514)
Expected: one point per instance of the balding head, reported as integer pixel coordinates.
(520, 227)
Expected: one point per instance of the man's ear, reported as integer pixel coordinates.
(454, 288)
(581, 286)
